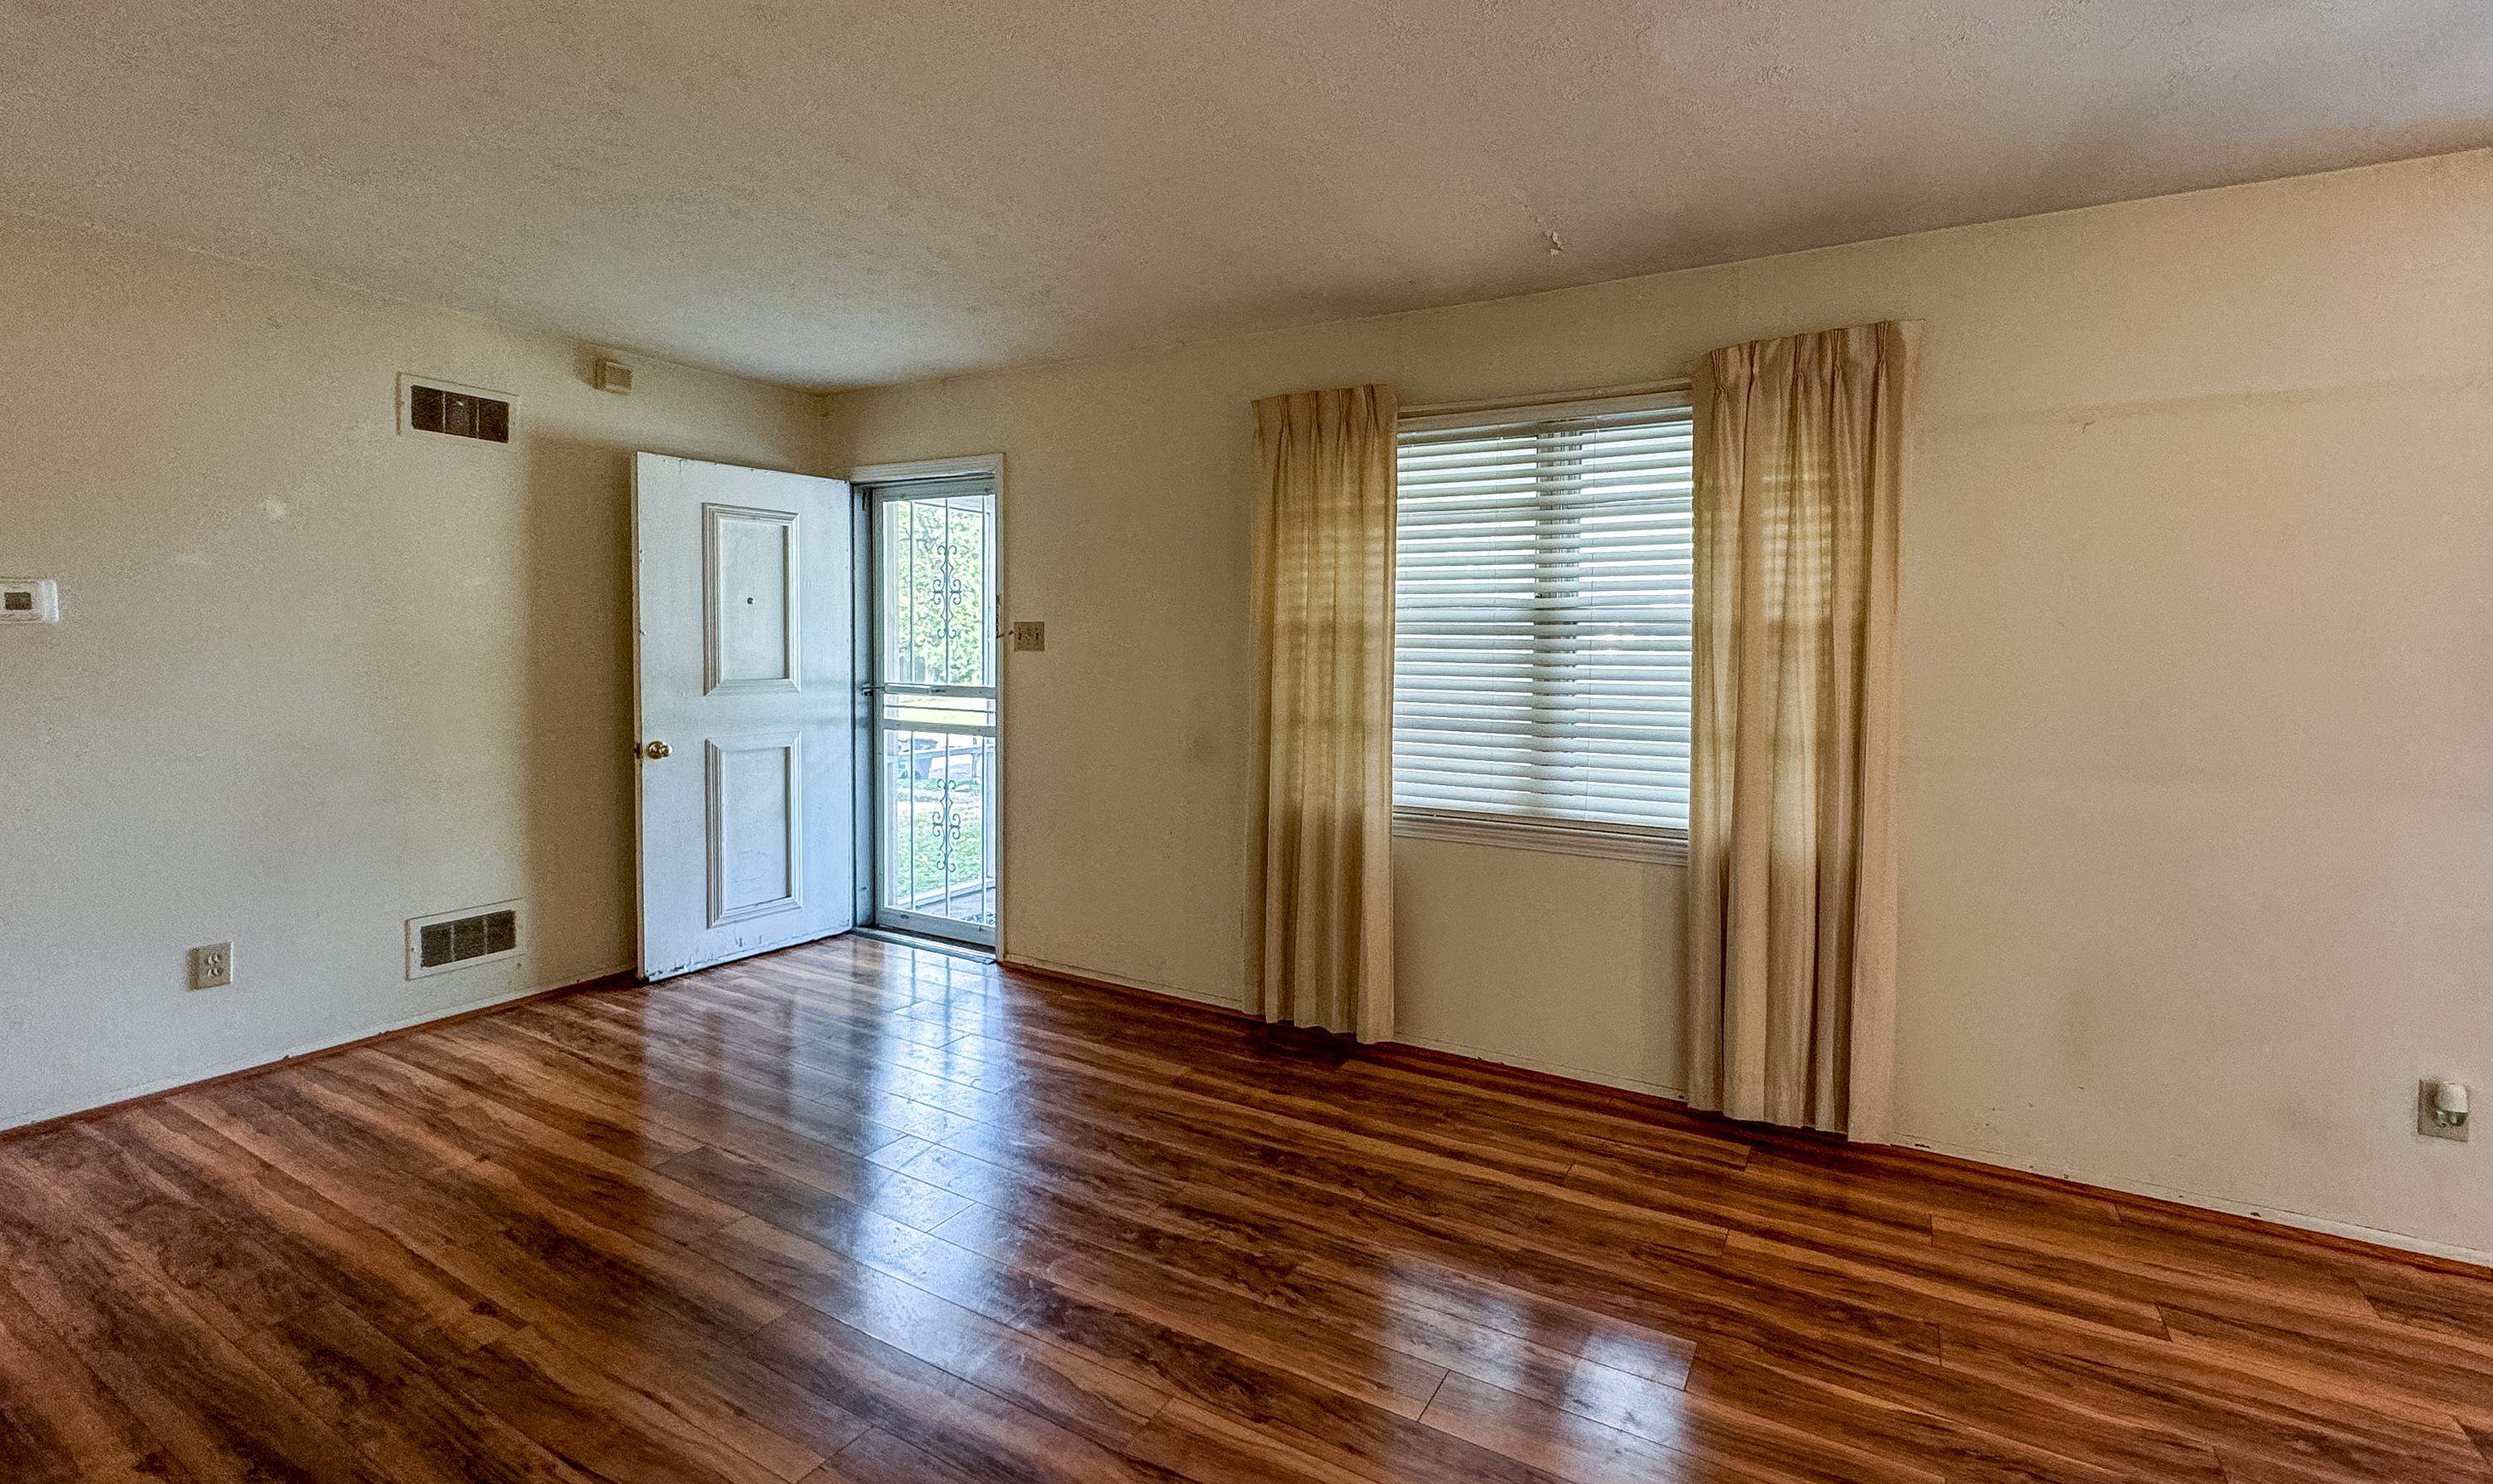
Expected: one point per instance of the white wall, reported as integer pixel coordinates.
(314, 677)
(2198, 624)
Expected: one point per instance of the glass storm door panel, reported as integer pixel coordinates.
(935, 708)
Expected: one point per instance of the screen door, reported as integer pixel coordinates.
(935, 708)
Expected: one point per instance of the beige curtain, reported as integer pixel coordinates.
(1320, 929)
(1791, 920)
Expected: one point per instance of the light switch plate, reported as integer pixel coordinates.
(1030, 636)
(29, 600)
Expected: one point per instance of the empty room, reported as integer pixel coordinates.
(1547, 743)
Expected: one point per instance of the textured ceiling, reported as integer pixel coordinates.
(828, 193)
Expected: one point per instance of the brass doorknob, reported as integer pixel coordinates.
(655, 749)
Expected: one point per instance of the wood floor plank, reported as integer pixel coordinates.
(1572, 1446)
(684, 1360)
(157, 1218)
(818, 1273)
(2457, 1305)
(59, 1424)
(1381, 1271)
(390, 1284)
(1194, 1441)
(2241, 1415)
(760, 1181)
(1061, 1385)
(1335, 1427)
(1346, 1352)
(858, 1213)
(1916, 1408)
(696, 1082)
(1347, 1165)
(1942, 1286)
(359, 1170)
(463, 1129)
(388, 1405)
(951, 1418)
(1056, 1237)
(2121, 1261)
(604, 1428)
(2367, 1362)
(580, 1110)
(878, 1458)
(208, 1404)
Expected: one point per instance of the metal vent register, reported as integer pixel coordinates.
(459, 940)
(453, 412)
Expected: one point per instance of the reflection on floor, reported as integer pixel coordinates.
(858, 1213)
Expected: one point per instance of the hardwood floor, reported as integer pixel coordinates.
(861, 1213)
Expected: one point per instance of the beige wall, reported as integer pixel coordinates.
(314, 677)
(2198, 610)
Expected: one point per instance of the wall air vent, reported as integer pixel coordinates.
(429, 405)
(463, 939)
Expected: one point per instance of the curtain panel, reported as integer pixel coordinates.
(1791, 908)
(1320, 929)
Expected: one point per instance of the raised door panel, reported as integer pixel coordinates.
(752, 641)
(756, 823)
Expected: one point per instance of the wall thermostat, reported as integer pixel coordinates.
(29, 600)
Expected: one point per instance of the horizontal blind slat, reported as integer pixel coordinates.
(1543, 577)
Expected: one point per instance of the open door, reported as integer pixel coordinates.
(745, 702)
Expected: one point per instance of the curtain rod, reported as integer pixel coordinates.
(1547, 398)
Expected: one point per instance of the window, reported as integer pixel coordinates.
(1542, 626)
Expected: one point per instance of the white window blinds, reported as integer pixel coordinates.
(1542, 625)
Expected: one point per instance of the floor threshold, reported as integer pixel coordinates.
(974, 952)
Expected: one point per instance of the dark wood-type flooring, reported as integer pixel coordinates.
(860, 1213)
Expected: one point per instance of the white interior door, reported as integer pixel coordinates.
(746, 697)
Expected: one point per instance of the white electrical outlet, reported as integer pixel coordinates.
(212, 967)
(2441, 1109)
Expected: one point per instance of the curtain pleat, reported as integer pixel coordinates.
(1791, 907)
(1320, 934)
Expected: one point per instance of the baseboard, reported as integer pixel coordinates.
(1559, 1070)
(2319, 1228)
(1104, 981)
(150, 1091)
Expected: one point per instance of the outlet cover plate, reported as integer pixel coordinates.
(29, 600)
(212, 967)
(2429, 1126)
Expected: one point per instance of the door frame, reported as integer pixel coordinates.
(863, 479)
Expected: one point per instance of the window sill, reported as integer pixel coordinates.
(1561, 837)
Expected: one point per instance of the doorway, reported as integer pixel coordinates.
(933, 700)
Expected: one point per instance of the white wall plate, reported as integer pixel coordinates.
(29, 600)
